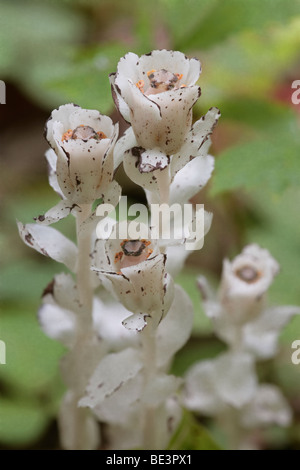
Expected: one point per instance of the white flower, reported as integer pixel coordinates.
(136, 273)
(116, 391)
(268, 406)
(245, 282)
(214, 385)
(239, 313)
(227, 388)
(83, 141)
(49, 242)
(156, 93)
(117, 396)
(59, 317)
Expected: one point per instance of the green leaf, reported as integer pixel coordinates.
(191, 435)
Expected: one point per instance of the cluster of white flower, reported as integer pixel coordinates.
(227, 387)
(120, 315)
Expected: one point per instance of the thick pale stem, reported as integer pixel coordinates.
(83, 272)
(85, 322)
(149, 355)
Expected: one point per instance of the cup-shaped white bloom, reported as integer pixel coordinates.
(136, 272)
(83, 141)
(245, 282)
(156, 93)
(239, 312)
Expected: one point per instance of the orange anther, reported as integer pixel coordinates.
(149, 252)
(101, 135)
(140, 84)
(183, 86)
(118, 256)
(67, 135)
(151, 71)
(179, 75)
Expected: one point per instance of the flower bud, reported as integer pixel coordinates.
(156, 93)
(83, 141)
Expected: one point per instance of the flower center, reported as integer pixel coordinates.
(248, 274)
(160, 81)
(84, 133)
(133, 252)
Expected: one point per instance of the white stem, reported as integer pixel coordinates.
(85, 326)
(83, 272)
(149, 355)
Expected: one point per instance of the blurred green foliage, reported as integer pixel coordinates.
(62, 51)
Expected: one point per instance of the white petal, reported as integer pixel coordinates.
(172, 61)
(171, 131)
(65, 293)
(56, 213)
(149, 281)
(191, 179)
(205, 289)
(126, 142)
(148, 180)
(150, 160)
(144, 112)
(62, 114)
(160, 388)
(120, 103)
(197, 141)
(58, 323)
(267, 407)
(201, 390)
(235, 378)
(49, 242)
(108, 317)
(119, 407)
(111, 196)
(175, 328)
(127, 66)
(228, 380)
(92, 118)
(260, 337)
(52, 160)
(85, 436)
(136, 322)
(261, 261)
(110, 375)
(176, 257)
